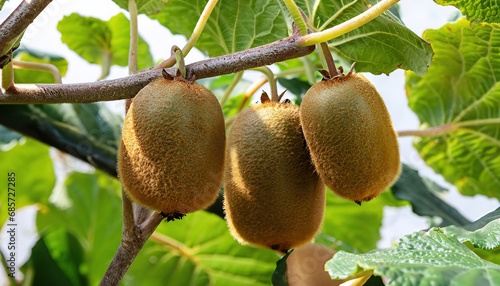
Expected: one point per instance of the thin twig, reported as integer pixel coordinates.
(230, 88)
(434, 131)
(271, 78)
(128, 87)
(50, 68)
(200, 25)
(19, 20)
(349, 25)
(133, 66)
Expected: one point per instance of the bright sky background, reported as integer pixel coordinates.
(418, 15)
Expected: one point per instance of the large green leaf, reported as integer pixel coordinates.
(233, 25)
(102, 42)
(358, 226)
(34, 76)
(476, 10)
(421, 258)
(148, 7)
(461, 94)
(56, 259)
(89, 37)
(30, 166)
(120, 42)
(380, 46)
(92, 213)
(411, 187)
(198, 250)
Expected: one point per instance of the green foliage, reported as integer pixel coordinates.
(461, 89)
(198, 250)
(380, 46)
(358, 226)
(32, 76)
(482, 11)
(411, 187)
(420, 258)
(90, 210)
(102, 42)
(34, 175)
(148, 7)
(233, 25)
(55, 260)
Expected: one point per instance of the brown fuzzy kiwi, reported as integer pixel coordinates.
(171, 155)
(305, 266)
(351, 137)
(273, 196)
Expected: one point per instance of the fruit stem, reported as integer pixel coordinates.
(8, 76)
(236, 79)
(133, 66)
(349, 25)
(50, 68)
(296, 16)
(198, 29)
(272, 82)
(179, 59)
(330, 63)
(429, 132)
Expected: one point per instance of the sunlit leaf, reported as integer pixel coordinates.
(380, 46)
(233, 25)
(92, 213)
(421, 258)
(148, 7)
(358, 226)
(198, 250)
(476, 10)
(461, 93)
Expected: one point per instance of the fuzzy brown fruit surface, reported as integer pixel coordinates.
(171, 155)
(273, 196)
(305, 266)
(351, 137)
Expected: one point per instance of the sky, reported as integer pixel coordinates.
(418, 15)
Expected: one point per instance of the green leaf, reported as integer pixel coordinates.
(461, 94)
(148, 7)
(487, 237)
(421, 258)
(483, 220)
(102, 42)
(89, 37)
(120, 42)
(482, 11)
(233, 25)
(279, 275)
(34, 76)
(411, 187)
(8, 136)
(92, 213)
(198, 250)
(29, 163)
(380, 46)
(358, 226)
(87, 131)
(55, 259)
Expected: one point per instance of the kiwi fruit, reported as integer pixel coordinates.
(171, 154)
(273, 196)
(350, 136)
(305, 266)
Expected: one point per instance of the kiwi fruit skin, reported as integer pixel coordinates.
(272, 195)
(171, 155)
(305, 266)
(351, 137)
